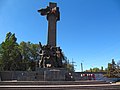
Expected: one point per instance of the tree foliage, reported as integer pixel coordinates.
(68, 65)
(14, 56)
(96, 69)
(10, 53)
(113, 70)
(29, 54)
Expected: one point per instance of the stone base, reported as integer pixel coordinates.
(52, 74)
(41, 74)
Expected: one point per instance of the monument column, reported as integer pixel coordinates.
(52, 25)
(52, 55)
(53, 15)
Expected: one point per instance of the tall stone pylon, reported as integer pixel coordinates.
(51, 56)
(53, 15)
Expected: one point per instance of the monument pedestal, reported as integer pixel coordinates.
(41, 74)
(51, 74)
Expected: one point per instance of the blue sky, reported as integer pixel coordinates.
(88, 30)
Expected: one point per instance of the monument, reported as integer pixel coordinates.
(50, 66)
(50, 55)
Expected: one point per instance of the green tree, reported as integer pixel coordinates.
(30, 55)
(112, 71)
(10, 53)
(25, 55)
(67, 65)
(70, 67)
(96, 69)
(109, 70)
(113, 64)
(118, 64)
(91, 70)
(1, 62)
(102, 68)
(34, 55)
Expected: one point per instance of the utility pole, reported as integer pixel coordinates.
(73, 64)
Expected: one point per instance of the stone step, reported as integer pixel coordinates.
(51, 82)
